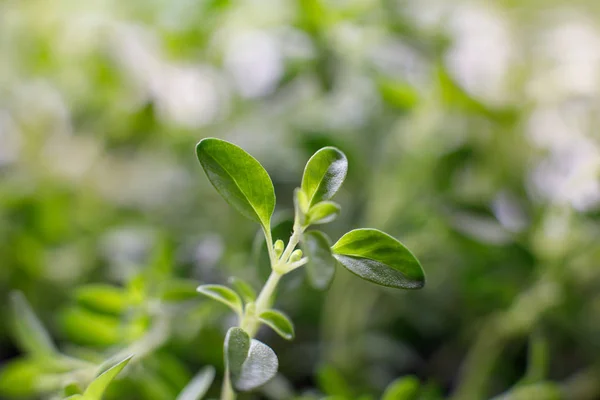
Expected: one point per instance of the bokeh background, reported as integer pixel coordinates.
(472, 133)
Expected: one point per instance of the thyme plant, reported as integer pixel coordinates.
(368, 253)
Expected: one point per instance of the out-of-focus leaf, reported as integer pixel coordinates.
(169, 367)
(96, 389)
(239, 178)
(175, 290)
(322, 213)
(243, 288)
(379, 258)
(321, 263)
(72, 389)
(224, 295)
(198, 386)
(89, 328)
(332, 383)
(27, 377)
(405, 388)
(250, 362)
(29, 331)
(103, 298)
(398, 94)
(279, 322)
(537, 391)
(324, 174)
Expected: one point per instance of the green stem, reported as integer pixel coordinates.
(227, 392)
(294, 239)
(249, 320)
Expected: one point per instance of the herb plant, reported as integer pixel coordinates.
(368, 253)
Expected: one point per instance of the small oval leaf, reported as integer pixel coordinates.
(259, 368)
(239, 178)
(243, 288)
(321, 264)
(324, 174)
(29, 331)
(250, 362)
(237, 344)
(379, 258)
(405, 388)
(279, 322)
(323, 212)
(96, 389)
(199, 385)
(224, 295)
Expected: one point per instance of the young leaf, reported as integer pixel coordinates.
(29, 331)
(324, 174)
(379, 258)
(224, 295)
(239, 178)
(279, 322)
(321, 264)
(250, 363)
(405, 388)
(244, 289)
(96, 389)
(323, 212)
(199, 385)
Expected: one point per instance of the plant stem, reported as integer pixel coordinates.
(294, 239)
(249, 321)
(227, 392)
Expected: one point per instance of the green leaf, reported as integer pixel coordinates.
(236, 347)
(29, 331)
(89, 328)
(96, 389)
(243, 288)
(103, 298)
(321, 264)
(333, 383)
(224, 295)
(176, 290)
(239, 178)
(538, 391)
(405, 388)
(279, 322)
(250, 362)
(199, 385)
(324, 174)
(27, 377)
(323, 212)
(379, 258)
(71, 389)
(398, 94)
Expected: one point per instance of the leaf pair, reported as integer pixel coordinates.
(278, 321)
(323, 176)
(246, 185)
(249, 362)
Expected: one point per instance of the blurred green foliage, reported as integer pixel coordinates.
(472, 135)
